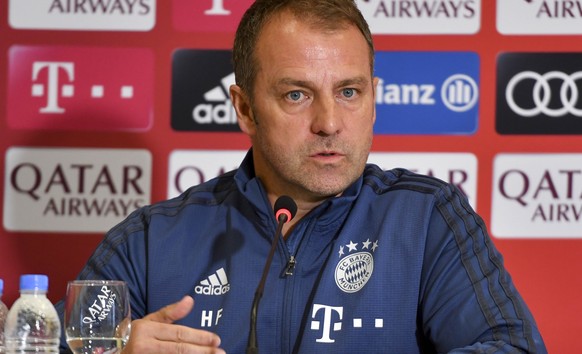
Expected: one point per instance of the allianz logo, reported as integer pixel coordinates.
(215, 284)
(459, 93)
(218, 109)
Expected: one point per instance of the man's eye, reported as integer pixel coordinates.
(295, 95)
(348, 92)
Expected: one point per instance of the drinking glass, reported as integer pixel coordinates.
(97, 316)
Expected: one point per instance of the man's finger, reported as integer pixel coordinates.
(143, 331)
(186, 335)
(172, 312)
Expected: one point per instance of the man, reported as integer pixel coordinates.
(373, 261)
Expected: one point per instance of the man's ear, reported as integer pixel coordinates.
(244, 112)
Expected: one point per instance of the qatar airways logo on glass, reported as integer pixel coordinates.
(537, 196)
(427, 92)
(101, 307)
(80, 88)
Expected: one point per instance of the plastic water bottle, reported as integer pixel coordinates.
(32, 325)
(3, 314)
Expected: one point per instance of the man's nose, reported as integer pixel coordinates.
(327, 118)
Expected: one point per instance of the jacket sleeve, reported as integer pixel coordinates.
(468, 302)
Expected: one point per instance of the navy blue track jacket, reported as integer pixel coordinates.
(400, 263)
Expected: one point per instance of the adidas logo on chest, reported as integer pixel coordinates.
(215, 284)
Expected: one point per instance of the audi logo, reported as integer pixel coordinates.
(542, 94)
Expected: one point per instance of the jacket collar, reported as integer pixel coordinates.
(327, 212)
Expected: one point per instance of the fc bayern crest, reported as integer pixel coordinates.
(355, 269)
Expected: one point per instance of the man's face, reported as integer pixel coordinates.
(313, 109)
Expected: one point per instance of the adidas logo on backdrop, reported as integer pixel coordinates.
(200, 91)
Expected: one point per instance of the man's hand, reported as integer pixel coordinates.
(156, 333)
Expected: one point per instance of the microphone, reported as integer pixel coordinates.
(285, 209)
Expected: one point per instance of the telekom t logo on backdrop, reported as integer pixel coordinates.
(80, 88)
(52, 86)
(209, 15)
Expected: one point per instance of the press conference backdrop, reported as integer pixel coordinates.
(108, 105)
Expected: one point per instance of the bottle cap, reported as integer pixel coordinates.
(34, 282)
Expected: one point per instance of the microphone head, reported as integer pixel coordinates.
(285, 205)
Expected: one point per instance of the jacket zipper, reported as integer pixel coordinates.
(287, 301)
(290, 268)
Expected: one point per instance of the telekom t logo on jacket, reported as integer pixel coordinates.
(80, 88)
(329, 321)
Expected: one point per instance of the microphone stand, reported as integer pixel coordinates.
(252, 346)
